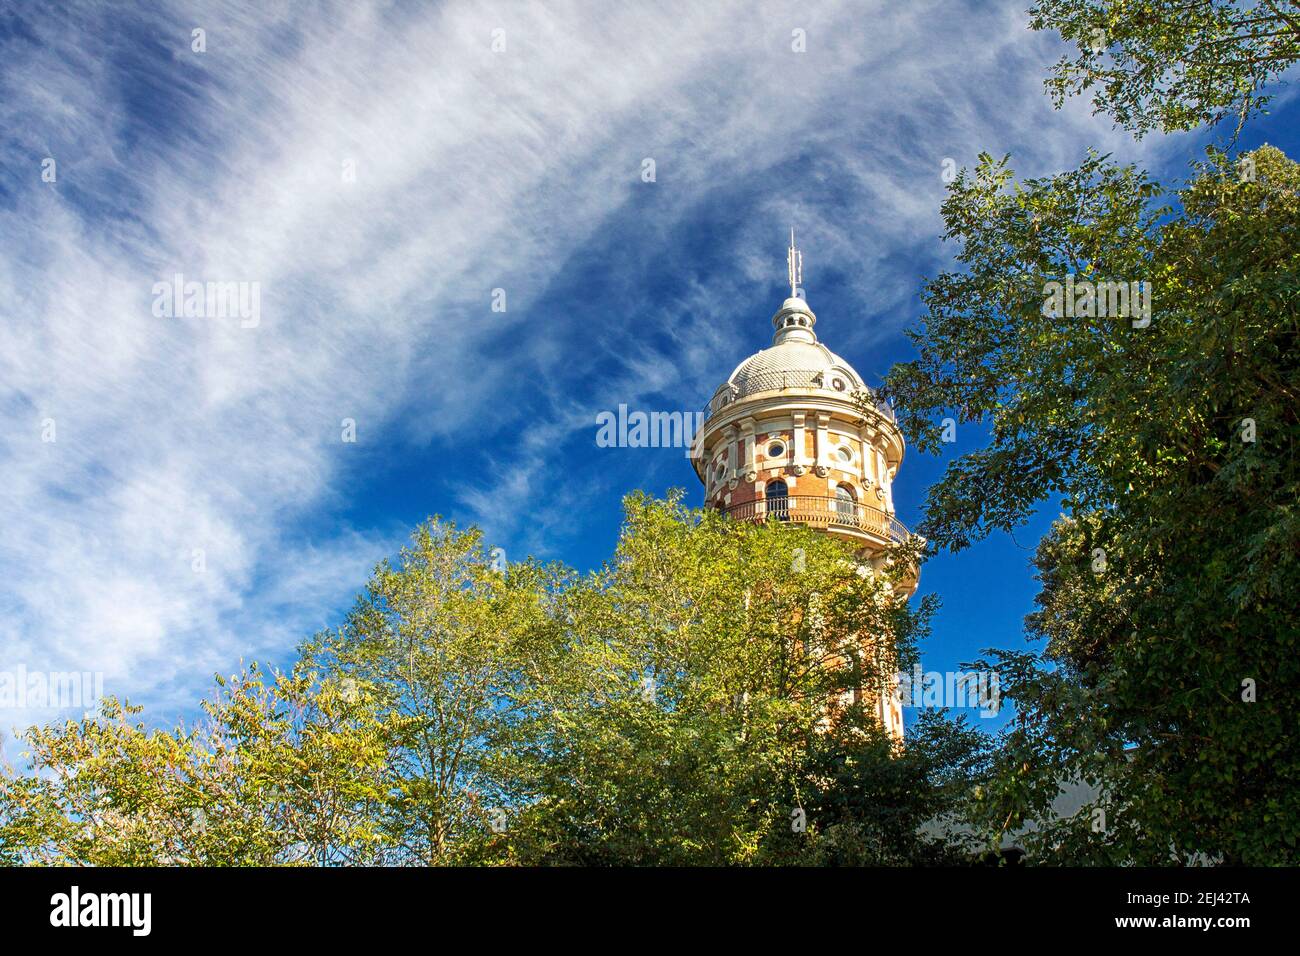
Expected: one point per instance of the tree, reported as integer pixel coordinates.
(704, 698)
(1171, 64)
(450, 641)
(279, 772)
(870, 803)
(709, 675)
(1168, 606)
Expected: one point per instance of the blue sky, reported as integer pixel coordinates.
(472, 170)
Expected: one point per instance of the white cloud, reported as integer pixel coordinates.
(473, 170)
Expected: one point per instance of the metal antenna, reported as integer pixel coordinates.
(794, 259)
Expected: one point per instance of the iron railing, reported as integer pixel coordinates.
(822, 511)
(802, 380)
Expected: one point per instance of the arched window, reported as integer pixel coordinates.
(845, 503)
(778, 500)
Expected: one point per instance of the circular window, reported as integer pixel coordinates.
(844, 453)
(775, 450)
(838, 384)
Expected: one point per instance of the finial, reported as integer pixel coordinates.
(794, 259)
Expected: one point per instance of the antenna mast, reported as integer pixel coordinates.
(794, 259)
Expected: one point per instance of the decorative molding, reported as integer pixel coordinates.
(747, 435)
(823, 443)
(797, 420)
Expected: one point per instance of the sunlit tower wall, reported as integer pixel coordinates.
(788, 437)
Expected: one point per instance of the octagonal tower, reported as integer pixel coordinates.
(789, 436)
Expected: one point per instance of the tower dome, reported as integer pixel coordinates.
(798, 416)
(796, 359)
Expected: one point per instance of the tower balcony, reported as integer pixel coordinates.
(820, 511)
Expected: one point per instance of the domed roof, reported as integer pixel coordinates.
(795, 360)
(797, 366)
(792, 356)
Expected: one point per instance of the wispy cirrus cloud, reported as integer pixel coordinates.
(378, 169)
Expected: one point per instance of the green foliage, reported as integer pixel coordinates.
(870, 804)
(674, 707)
(1171, 578)
(452, 648)
(1170, 65)
(281, 772)
(701, 668)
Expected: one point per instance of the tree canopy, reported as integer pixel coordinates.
(691, 702)
(1167, 65)
(1168, 605)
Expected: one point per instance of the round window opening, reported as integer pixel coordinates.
(838, 384)
(844, 453)
(775, 450)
